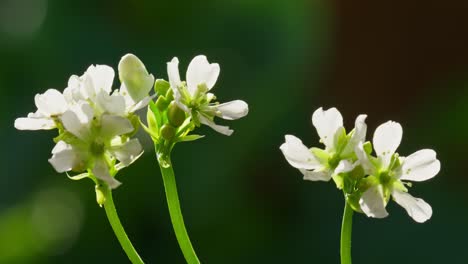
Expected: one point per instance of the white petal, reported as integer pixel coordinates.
(417, 208)
(233, 110)
(75, 90)
(173, 73)
(25, 123)
(101, 171)
(359, 135)
(133, 73)
(345, 166)
(102, 77)
(420, 166)
(111, 104)
(387, 138)
(78, 119)
(143, 103)
(127, 153)
(327, 123)
(317, 175)
(298, 155)
(372, 202)
(129, 102)
(87, 87)
(225, 130)
(112, 126)
(64, 157)
(368, 167)
(201, 71)
(50, 103)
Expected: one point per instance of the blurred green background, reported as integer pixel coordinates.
(401, 60)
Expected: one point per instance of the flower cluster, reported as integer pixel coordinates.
(194, 98)
(182, 106)
(94, 122)
(367, 181)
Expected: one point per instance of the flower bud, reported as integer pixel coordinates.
(100, 196)
(168, 132)
(162, 103)
(133, 73)
(175, 115)
(151, 119)
(170, 95)
(161, 86)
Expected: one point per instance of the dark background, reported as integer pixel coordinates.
(401, 60)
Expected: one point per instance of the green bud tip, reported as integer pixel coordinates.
(161, 86)
(170, 95)
(162, 103)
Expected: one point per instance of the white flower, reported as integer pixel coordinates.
(338, 155)
(94, 123)
(194, 98)
(95, 144)
(388, 170)
(50, 105)
(95, 86)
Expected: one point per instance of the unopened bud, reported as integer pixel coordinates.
(133, 73)
(162, 103)
(100, 194)
(161, 86)
(170, 95)
(175, 115)
(168, 132)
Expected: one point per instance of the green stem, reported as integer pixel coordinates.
(346, 227)
(118, 229)
(175, 212)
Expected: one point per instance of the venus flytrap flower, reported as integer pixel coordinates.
(194, 98)
(388, 171)
(337, 157)
(95, 127)
(367, 182)
(94, 144)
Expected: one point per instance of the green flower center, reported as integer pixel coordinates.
(385, 178)
(96, 148)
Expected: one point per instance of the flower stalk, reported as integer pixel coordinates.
(346, 230)
(175, 212)
(119, 231)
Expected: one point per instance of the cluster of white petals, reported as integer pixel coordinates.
(193, 96)
(390, 169)
(321, 165)
(94, 121)
(343, 153)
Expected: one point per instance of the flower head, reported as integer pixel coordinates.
(388, 171)
(337, 156)
(367, 182)
(193, 96)
(95, 124)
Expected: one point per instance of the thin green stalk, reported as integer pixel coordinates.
(346, 227)
(175, 212)
(119, 230)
